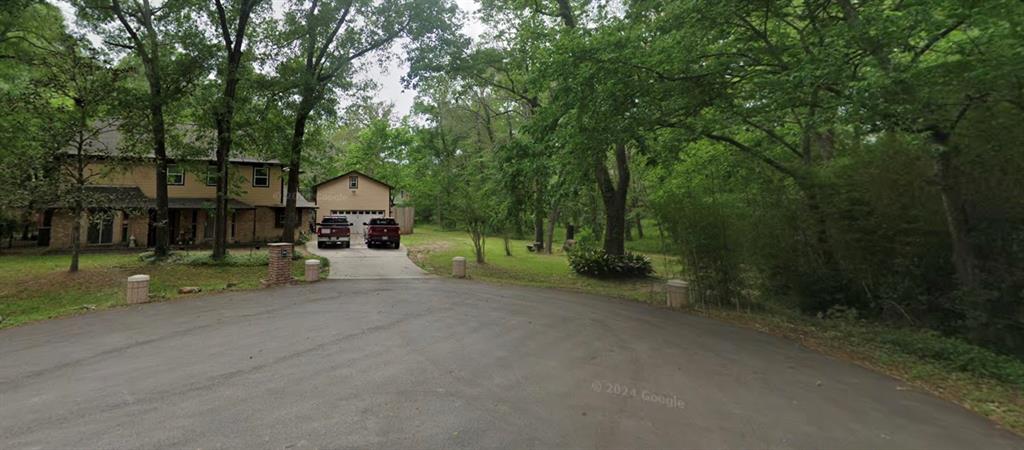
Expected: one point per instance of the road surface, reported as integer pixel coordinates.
(438, 363)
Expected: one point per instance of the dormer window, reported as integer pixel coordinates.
(260, 176)
(353, 182)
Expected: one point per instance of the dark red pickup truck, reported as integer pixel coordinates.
(333, 230)
(383, 232)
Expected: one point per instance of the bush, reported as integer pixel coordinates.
(598, 264)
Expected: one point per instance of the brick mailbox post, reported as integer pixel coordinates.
(280, 267)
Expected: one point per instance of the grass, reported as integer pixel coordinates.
(38, 287)
(433, 249)
(989, 384)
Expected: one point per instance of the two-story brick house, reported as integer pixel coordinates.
(121, 203)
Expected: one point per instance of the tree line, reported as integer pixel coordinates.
(842, 157)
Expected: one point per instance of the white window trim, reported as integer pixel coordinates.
(175, 171)
(267, 177)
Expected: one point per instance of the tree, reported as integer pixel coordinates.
(231, 23)
(28, 31)
(154, 34)
(331, 37)
(79, 84)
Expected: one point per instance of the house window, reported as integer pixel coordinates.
(279, 218)
(175, 175)
(260, 176)
(211, 175)
(101, 229)
(353, 182)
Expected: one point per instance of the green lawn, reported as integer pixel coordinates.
(433, 249)
(37, 287)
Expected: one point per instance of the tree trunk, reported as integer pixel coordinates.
(956, 221)
(76, 238)
(628, 229)
(224, 117)
(508, 244)
(538, 229)
(291, 212)
(220, 230)
(552, 221)
(614, 199)
(639, 227)
(478, 243)
(162, 232)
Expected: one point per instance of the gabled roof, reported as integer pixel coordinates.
(350, 173)
(109, 142)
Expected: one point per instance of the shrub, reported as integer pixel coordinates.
(598, 264)
(230, 260)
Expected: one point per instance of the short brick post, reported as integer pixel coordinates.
(312, 270)
(677, 293)
(138, 289)
(280, 267)
(459, 267)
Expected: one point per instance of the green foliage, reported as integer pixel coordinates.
(596, 263)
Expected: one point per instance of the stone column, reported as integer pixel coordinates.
(677, 293)
(138, 289)
(459, 267)
(280, 267)
(312, 270)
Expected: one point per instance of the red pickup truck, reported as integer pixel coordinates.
(383, 232)
(333, 230)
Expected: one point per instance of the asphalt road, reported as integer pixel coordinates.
(437, 363)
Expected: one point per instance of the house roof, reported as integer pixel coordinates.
(201, 203)
(110, 142)
(350, 173)
(133, 197)
(109, 196)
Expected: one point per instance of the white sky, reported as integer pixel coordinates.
(388, 78)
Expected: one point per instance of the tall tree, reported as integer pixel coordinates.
(331, 37)
(80, 84)
(231, 22)
(154, 34)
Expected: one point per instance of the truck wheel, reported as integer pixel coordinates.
(319, 245)
(397, 244)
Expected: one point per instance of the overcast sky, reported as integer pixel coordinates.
(389, 78)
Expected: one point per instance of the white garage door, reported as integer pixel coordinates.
(358, 217)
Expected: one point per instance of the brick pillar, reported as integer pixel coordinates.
(138, 289)
(459, 267)
(280, 268)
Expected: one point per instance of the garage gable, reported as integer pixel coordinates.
(353, 193)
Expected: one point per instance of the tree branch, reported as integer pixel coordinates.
(752, 152)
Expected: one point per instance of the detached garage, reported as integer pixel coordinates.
(356, 195)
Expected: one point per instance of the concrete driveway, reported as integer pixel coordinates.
(361, 263)
(438, 363)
